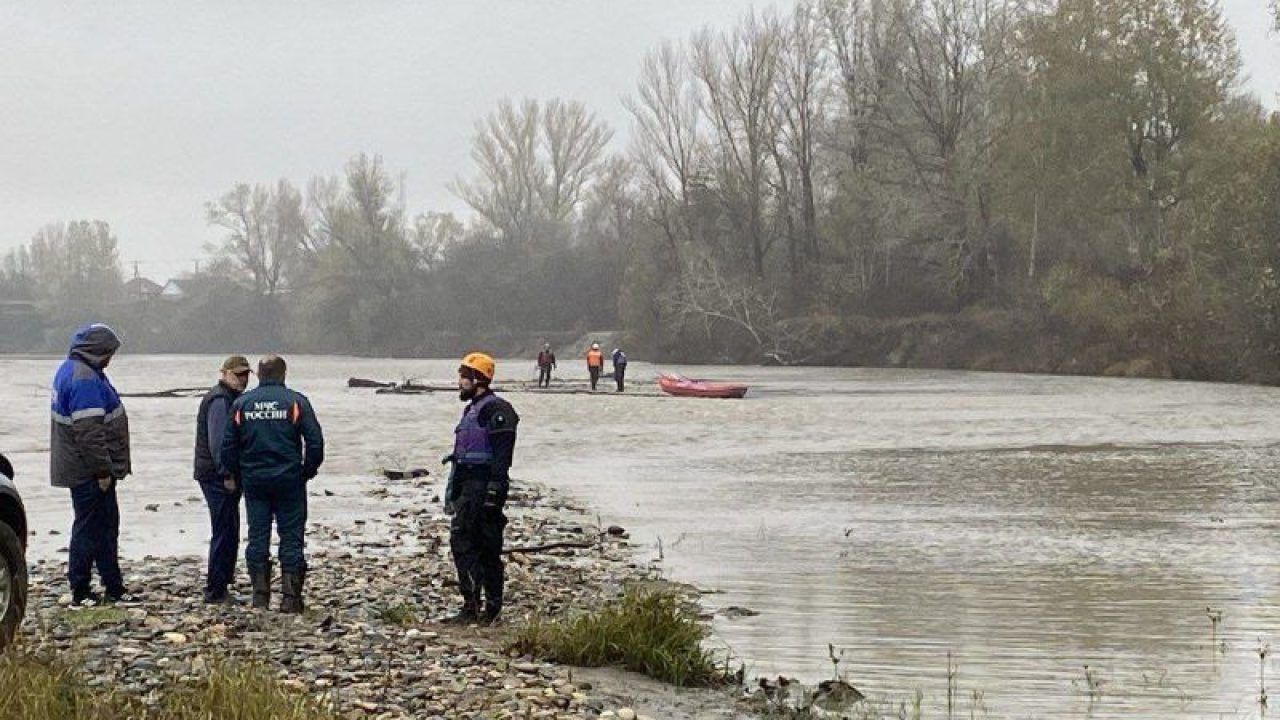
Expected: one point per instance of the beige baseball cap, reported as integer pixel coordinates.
(236, 364)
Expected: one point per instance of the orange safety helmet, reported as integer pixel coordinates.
(480, 363)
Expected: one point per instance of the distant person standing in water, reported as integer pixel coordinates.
(89, 455)
(619, 367)
(595, 364)
(546, 363)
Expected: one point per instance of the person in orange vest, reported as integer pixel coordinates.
(595, 364)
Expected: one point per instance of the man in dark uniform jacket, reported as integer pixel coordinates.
(273, 446)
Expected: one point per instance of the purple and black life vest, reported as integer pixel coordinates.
(471, 439)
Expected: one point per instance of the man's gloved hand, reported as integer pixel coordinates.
(229, 483)
(449, 508)
(492, 496)
(104, 483)
(448, 459)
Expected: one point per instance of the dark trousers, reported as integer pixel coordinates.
(224, 538)
(475, 537)
(595, 375)
(544, 376)
(286, 505)
(619, 374)
(95, 537)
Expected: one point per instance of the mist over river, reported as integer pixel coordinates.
(1027, 525)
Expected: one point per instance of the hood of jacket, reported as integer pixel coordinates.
(94, 344)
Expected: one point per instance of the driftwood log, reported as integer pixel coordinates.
(560, 387)
(171, 393)
(402, 474)
(579, 545)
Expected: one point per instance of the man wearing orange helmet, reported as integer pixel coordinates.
(483, 446)
(595, 364)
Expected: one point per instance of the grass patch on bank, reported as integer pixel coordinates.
(402, 614)
(89, 617)
(238, 691)
(646, 630)
(37, 685)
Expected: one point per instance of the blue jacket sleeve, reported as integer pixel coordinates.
(216, 424)
(313, 436)
(229, 457)
(87, 403)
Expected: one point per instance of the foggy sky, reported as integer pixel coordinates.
(140, 112)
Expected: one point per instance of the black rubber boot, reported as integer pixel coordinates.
(469, 614)
(291, 590)
(490, 615)
(261, 581)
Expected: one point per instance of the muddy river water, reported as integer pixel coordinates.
(1023, 526)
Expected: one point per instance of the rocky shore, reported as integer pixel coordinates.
(369, 644)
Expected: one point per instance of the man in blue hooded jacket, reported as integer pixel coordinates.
(273, 445)
(89, 455)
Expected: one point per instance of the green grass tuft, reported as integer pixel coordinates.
(37, 685)
(238, 691)
(89, 617)
(646, 631)
(403, 614)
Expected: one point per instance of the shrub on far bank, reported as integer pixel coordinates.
(646, 631)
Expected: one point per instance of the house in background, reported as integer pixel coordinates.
(140, 288)
(172, 291)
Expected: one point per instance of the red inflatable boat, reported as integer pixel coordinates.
(687, 387)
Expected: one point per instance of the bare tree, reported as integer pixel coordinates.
(433, 234)
(737, 71)
(956, 52)
(575, 142)
(611, 208)
(505, 150)
(666, 144)
(265, 231)
(535, 162)
(706, 295)
(800, 86)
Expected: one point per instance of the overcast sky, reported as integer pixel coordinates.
(138, 112)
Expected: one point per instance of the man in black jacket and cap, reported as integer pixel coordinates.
(220, 488)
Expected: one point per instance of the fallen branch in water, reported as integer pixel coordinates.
(172, 393)
(550, 546)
